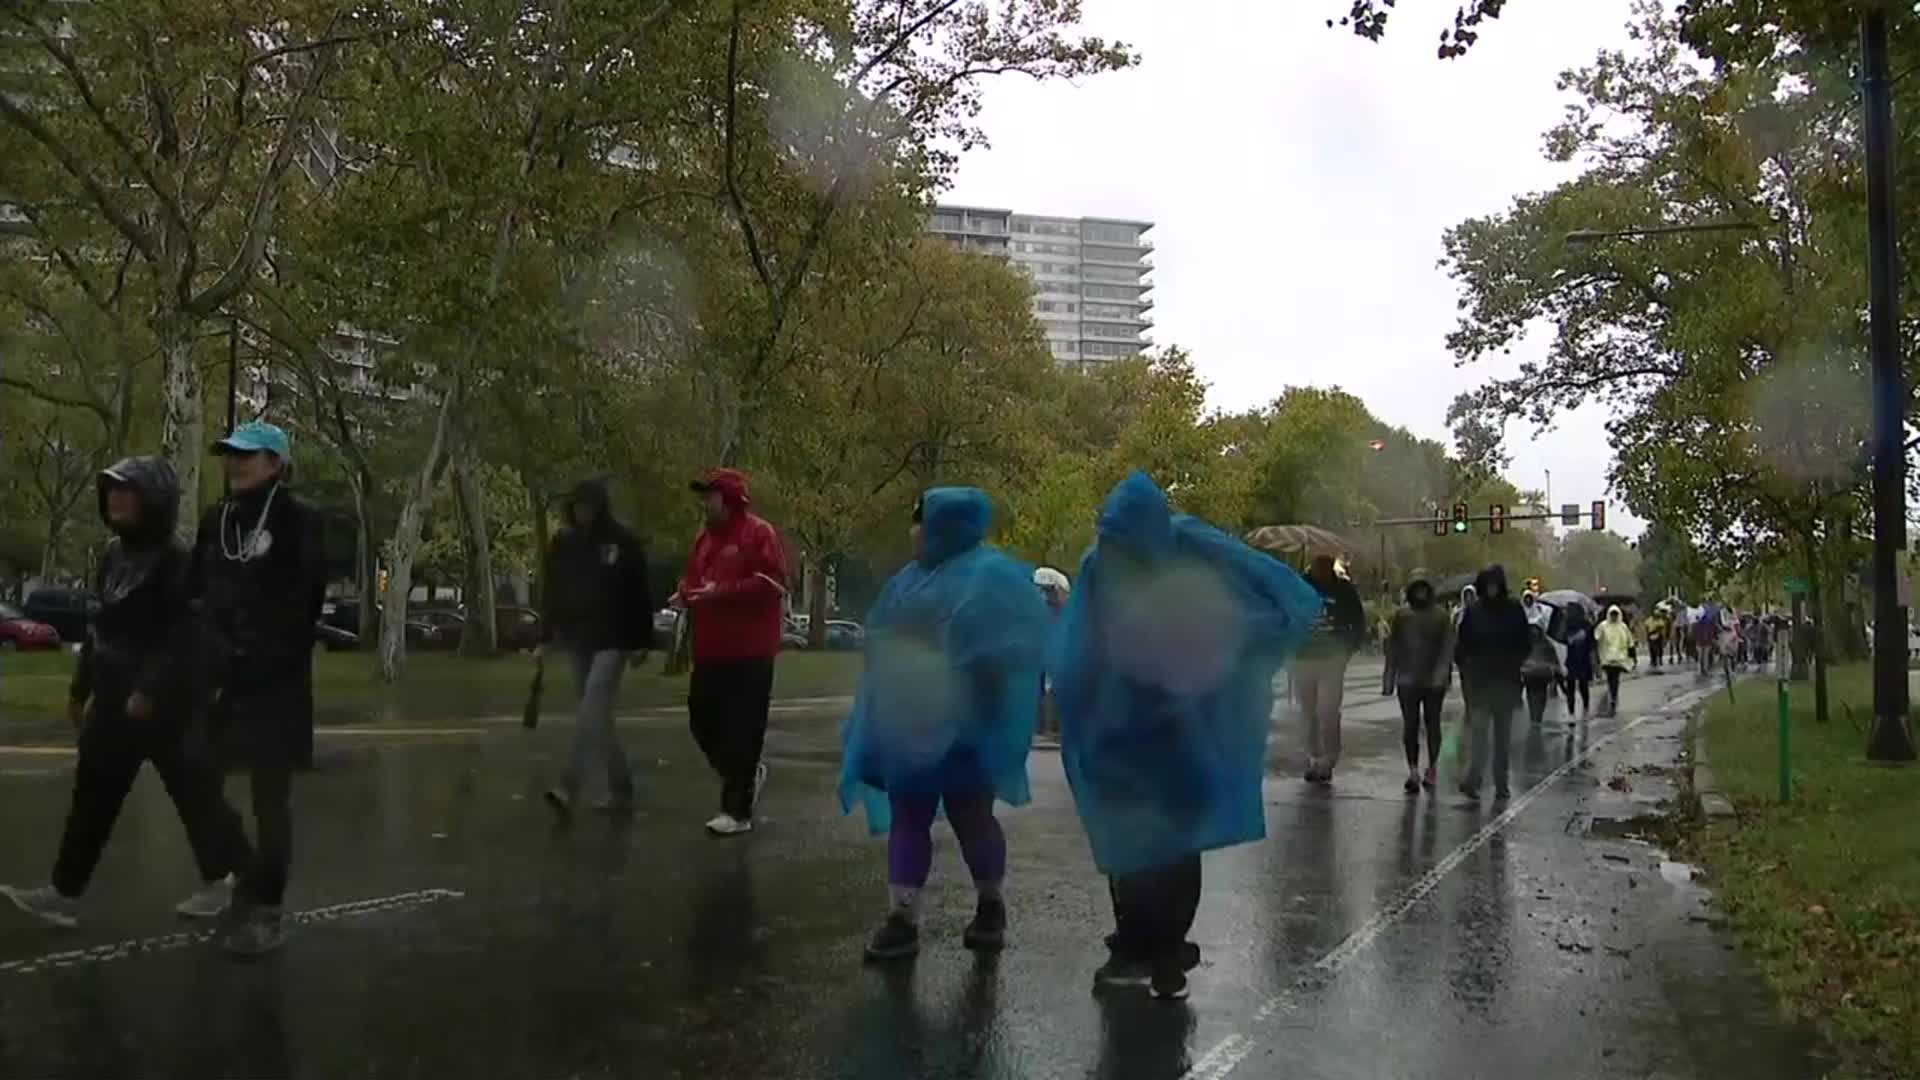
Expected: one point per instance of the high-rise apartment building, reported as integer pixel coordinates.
(1089, 274)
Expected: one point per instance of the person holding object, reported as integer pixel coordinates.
(1492, 646)
(1614, 642)
(129, 702)
(1419, 669)
(258, 576)
(1320, 673)
(942, 718)
(600, 608)
(734, 586)
(1163, 666)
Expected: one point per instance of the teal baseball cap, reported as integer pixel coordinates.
(254, 437)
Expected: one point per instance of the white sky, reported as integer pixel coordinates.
(1300, 179)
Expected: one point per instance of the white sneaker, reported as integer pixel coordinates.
(210, 902)
(728, 825)
(759, 782)
(46, 904)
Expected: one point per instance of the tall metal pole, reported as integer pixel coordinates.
(1892, 738)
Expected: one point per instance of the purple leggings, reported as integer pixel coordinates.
(910, 841)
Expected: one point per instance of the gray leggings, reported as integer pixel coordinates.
(596, 679)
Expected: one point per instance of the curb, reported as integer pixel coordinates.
(1713, 803)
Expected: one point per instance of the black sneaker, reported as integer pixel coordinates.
(1470, 791)
(1412, 786)
(988, 930)
(1122, 974)
(1169, 983)
(897, 939)
(560, 803)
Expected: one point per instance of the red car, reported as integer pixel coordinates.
(19, 632)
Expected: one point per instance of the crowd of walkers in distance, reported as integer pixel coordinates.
(1159, 659)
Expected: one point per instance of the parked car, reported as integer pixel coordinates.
(27, 635)
(333, 638)
(514, 627)
(845, 634)
(447, 628)
(342, 620)
(68, 611)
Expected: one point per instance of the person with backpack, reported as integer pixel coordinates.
(1493, 645)
(1419, 669)
(1320, 673)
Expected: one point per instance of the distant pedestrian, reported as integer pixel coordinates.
(1054, 588)
(1659, 629)
(734, 586)
(1320, 672)
(1578, 665)
(259, 576)
(1163, 669)
(943, 717)
(130, 701)
(599, 608)
(1540, 673)
(1468, 597)
(1614, 641)
(1419, 670)
(1493, 644)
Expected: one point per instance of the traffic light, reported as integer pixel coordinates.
(1497, 518)
(1599, 514)
(1440, 526)
(1459, 517)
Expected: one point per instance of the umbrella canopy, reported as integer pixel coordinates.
(1563, 597)
(1448, 588)
(1308, 540)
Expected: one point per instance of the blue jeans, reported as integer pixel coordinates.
(596, 679)
(1491, 710)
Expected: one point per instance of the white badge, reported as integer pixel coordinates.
(261, 543)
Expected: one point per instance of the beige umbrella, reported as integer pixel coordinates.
(1304, 540)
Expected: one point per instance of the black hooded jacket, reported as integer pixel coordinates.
(1493, 636)
(597, 591)
(134, 641)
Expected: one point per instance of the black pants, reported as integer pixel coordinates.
(1656, 650)
(1539, 692)
(1584, 687)
(101, 779)
(263, 877)
(1613, 687)
(1421, 708)
(727, 702)
(1153, 910)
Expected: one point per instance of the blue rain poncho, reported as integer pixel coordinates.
(1162, 667)
(955, 646)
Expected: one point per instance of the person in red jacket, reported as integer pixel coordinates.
(735, 582)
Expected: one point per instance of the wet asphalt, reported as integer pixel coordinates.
(449, 930)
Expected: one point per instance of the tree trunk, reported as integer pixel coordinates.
(391, 657)
(479, 638)
(364, 571)
(183, 440)
(817, 603)
(1819, 635)
(537, 511)
(50, 550)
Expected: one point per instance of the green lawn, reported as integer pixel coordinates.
(438, 686)
(1826, 890)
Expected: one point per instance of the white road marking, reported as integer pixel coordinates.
(1227, 1054)
(101, 954)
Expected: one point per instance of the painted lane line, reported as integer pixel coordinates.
(1226, 1055)
(101, 954)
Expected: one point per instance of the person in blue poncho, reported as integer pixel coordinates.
(1163, 666)
(945, 712)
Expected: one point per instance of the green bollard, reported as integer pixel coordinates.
(1786, 771)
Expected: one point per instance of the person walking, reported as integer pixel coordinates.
(1468, 597)
(1613, 640)
(734, 586)
(1320, 673)
(599, 608)
(942, 719)
(1658, 631)
(1540, 672)
(129, 703)
(1419, 670)
(1163, 669)
(1493, 644)
(1578, 666)
(258, 575)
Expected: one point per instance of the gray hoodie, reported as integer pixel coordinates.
(1420, 642)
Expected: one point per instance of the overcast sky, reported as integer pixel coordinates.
(1300, 179)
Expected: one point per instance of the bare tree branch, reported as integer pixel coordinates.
(76, 168)
(740, 214)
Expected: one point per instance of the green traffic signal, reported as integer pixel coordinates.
(1459, 526)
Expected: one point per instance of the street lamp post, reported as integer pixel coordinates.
(1892, 738)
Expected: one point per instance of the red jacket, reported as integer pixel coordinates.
(735, 581)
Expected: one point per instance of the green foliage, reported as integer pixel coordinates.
(1596, 562)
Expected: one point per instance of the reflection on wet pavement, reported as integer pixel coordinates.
(1371, 935)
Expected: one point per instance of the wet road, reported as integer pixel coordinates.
(450, 931)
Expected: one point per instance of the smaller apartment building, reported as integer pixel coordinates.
(1090, 287)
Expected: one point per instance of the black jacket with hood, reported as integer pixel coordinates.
(598, 596)
(133, 643)
(1494, 642)
(1341, 627)
(258, 578)
(1420, 642)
